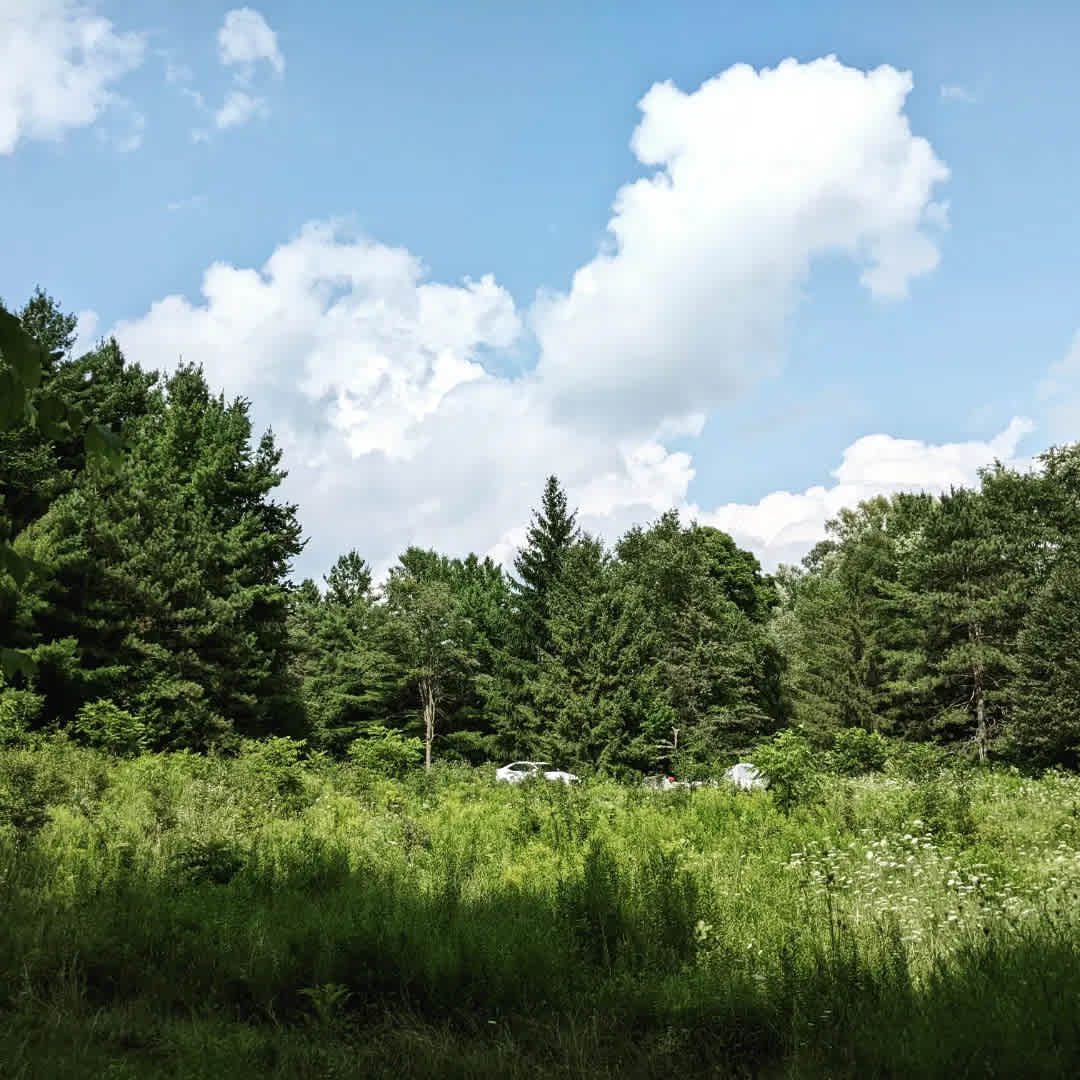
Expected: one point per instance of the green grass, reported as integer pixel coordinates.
(175, 916)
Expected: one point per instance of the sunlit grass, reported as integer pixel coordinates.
(183, 916)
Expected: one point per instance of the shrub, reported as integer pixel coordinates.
(19, 711)
(916, 760)
(386, 750)
(272, 770)
(788, 760)
(105, 726)
(857, 751)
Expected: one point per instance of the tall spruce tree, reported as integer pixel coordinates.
(539, 564)
(340, 654)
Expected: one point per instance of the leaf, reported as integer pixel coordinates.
(19, 566)
(12, 400)
(104, 445)
(51, 418)
(14, 662)
(20, 351)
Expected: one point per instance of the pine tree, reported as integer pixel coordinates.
(965, 586)
(539, 563)
(1045, 727)
(340, 656)
(1045, 721)
(170, 576)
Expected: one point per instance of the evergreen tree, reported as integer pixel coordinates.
(341, 661)
(170, 576)
(1044, 725)
(965, 586)
(539, 563)
(597, 700)
(702, 603)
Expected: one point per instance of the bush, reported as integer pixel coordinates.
(272, 771)
(916, 760)
(105, 726)
(788, 760)
(19, 712)
(385, 750)
(857, 751)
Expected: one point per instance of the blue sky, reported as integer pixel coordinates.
(488, 143)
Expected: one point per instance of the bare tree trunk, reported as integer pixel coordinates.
(978, 697)
(427, 696)
(981, 736)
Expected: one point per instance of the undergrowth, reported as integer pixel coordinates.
(182, 916)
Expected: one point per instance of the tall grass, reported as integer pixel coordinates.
(175, 916)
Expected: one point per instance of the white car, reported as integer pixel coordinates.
(746, 776)
(517, 771)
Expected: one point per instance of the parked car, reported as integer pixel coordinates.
(517, 771)
(746, 776)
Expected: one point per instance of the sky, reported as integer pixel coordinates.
(755, 262)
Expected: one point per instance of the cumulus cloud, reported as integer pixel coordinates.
(86, 332)
(58, 64)
(245, 38)
(375, 380)
(784, 525)
(244, 41)
(757, 174)
(238, 108)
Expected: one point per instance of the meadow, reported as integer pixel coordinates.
(200, 917)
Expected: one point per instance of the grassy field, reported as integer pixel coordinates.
(177, 916)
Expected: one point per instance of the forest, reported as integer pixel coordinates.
(147, 604)
(250, 825)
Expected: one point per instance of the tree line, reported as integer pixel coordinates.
(146, 604)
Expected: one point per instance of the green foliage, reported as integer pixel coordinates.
(386, 751)
(169, 575)
(273, 772)
(856, 751)
(791, 766)
(20, 711)
(430, 636)
(105, 726)
(917, 760)
(153, 919)
(539, 564)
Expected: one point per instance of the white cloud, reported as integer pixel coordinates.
(784, 525)
(1060, 393)
(245, 38)
(758, 174)
(958, 94)
(58, 62)
(239, 107)
(86, 332)
(374, 377)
